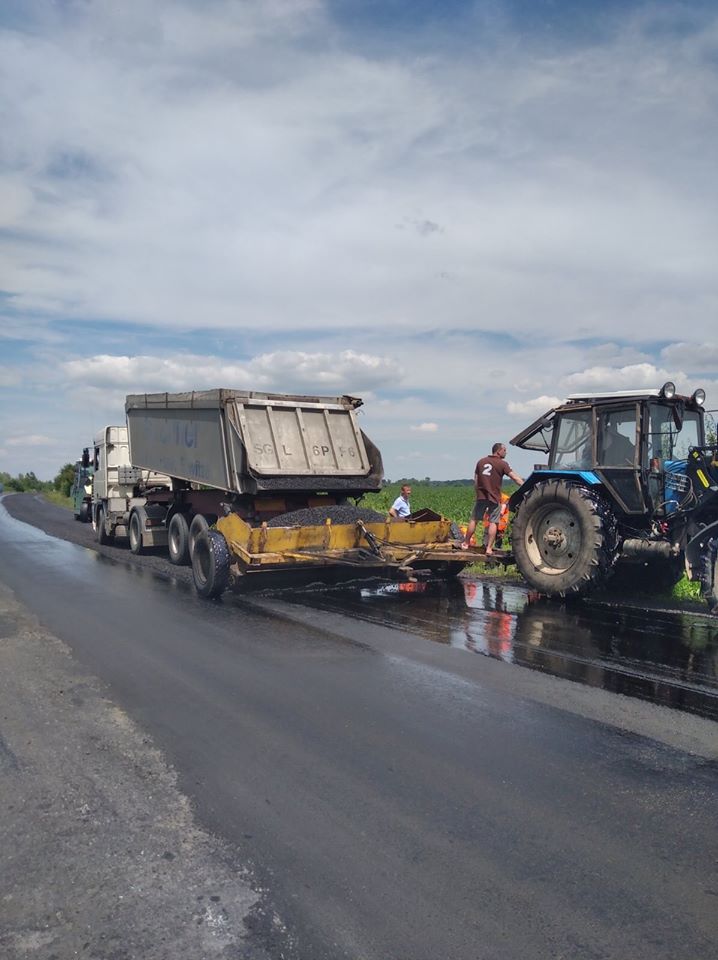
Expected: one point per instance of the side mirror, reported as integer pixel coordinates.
(678, 415)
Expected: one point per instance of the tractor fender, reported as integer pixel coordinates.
(584, 477)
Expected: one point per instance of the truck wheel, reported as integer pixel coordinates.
(137, 522)
(564, 538)
(199, 525)
(101, 534)
(210, 564)
(178, 539)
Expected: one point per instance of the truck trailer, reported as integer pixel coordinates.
(243, 483)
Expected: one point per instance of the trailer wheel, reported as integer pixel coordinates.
(178, 539)
(101, 534)
(198, 526)
(137, 522)
(210, 564)
(564, 538)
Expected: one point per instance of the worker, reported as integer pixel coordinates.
(488, 476)
(401, 508)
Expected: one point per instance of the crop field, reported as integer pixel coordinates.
(455, 502)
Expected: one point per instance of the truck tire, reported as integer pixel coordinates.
(101, 534)
(198, 526)
(178, 539)
(134, 531)
(210, 564)
(564, 539)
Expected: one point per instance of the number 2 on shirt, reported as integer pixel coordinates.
(486, 469)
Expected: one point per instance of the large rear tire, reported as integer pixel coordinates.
(564, 539)
(178, 539)
(210, 564)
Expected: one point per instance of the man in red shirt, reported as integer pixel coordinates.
(488, 476)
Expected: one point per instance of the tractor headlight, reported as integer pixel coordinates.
(668, 390)
(699, 396)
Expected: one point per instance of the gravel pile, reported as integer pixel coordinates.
(314, 516)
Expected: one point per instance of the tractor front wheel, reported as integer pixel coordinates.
(709, 575)
(564, 539)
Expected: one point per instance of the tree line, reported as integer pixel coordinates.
(29, 483)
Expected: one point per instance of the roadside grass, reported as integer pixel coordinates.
(54, 496)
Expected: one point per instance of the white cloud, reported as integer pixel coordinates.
(282, 371)
(30, 440)
(533, 408)
(425, 427)
(694, 356)
(634, 376)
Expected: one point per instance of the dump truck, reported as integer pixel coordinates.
(629, 491)
(257, 484)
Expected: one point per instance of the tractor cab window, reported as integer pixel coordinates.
(617, 437)
(572, 450)
(665, 440)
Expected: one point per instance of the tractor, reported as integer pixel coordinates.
(630, 491)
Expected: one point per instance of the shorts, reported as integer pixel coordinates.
(480, 508)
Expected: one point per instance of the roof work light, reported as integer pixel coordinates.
(699, 396)
(668, 390)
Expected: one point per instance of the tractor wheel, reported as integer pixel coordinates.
(84, 514)
(178, 539)
(564, 539)
(210, 564)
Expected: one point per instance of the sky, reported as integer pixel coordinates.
(459, 211)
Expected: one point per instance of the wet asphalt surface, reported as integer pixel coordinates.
(396, 794)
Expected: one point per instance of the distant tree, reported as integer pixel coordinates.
(64, 480)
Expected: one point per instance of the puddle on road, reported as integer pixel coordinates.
(667, 657)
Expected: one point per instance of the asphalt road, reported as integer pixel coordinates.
(395, 798)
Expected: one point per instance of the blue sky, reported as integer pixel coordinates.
(461, 211)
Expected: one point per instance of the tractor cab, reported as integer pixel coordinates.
(637, 447)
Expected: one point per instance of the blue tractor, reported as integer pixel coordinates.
(629, 490)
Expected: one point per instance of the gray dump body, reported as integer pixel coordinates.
(248, 442)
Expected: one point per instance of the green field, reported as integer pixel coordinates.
(454, 502)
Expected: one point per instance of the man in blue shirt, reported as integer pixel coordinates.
(401, 508)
